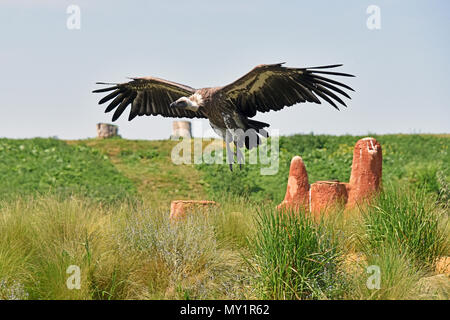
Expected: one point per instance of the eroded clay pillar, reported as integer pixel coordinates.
(297, 191)
(181, 129)
(106, 130)
(325, 195)
(180, 208)
(365, 179)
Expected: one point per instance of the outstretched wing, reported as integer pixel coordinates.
(273, 87)
(147, 96)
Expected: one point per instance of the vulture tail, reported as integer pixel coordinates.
(257, 124)
(252, 139)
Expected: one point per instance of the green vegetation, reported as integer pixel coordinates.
(148, 165)
(399, 277)
(103, 205)
(408, 221)
(124, 252)
(41, 166)
(295, 257)
(415, 159)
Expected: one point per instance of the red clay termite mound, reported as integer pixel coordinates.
(325, 195)
(365, 179)
(319, 197)
(297, 193)
(180, 208)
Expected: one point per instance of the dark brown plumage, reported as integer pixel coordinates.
(148, 96)
(228, 108)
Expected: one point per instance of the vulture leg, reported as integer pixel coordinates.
(239, 155)
(230, 157)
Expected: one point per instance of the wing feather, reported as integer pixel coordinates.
(273, 87)
(116, 102)
(147, 96)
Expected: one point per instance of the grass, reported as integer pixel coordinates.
(41, 166)
(409, 221)
(235, 252)
(123, 253)
(103, 205)
(399, 277)
(148, 165)
(295, 257)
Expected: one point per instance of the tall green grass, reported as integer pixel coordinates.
(295, 257)
(124, 252)
(398, 276)
(409, 220)
(234, 220)
(235, 252)
(402, 232)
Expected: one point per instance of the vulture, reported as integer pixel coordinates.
(229, 108)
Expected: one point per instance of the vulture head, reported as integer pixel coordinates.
(192, 103)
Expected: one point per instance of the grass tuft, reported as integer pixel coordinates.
(409, 220)
(295, 257)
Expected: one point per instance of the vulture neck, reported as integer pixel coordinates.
(195, 102)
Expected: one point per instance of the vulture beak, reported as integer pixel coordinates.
(178, 104)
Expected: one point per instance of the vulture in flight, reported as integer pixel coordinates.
(230, 108)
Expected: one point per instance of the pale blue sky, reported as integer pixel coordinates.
(48, 72)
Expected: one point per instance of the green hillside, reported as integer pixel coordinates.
(115, 169)
(43, 166)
